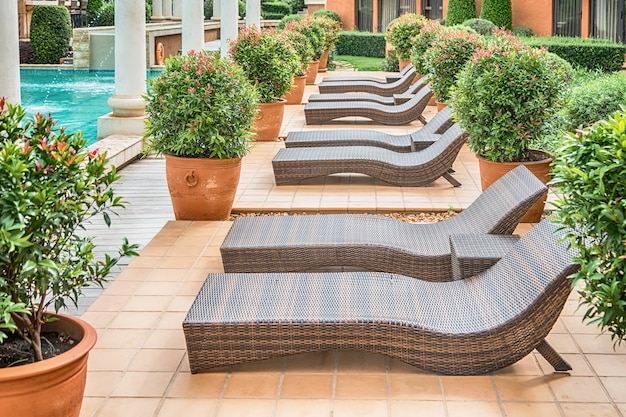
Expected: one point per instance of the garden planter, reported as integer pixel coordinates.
(53, 387)
(202, 188)
(432, 101)
(440, 105)
(267, 124)
(492, 171)
(323, 61)
(311, 75)
(403, 63)
(295, 94)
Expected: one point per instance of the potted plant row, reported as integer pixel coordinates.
(400, 34)
(303, 48)
(51, 184)
(199, 115)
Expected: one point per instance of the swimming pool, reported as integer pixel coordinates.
(74, 98)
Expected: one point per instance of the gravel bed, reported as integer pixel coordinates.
(409, 217)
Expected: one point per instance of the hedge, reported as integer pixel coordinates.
(50, 33)
(361, 44)
(275, 10)
(498, 12)
(459, 11)
(591, 53)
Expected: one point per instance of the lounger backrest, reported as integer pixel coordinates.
(407, 105)
(441, 122)
(406, 79)
(454, 137)
(500, 207)
(406, 69)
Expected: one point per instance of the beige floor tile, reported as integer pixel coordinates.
(90, 406)
(474, 409)
(404, 408)
(608, 365)
(303, 408)
(110, 359)
(531, 409)
(361, 386)
(523, 388)
(207, 385)
(317, 362)
(157, 288)
(399, 367)
(176, 407)
(124, 407)
(616, 386)
(171, 320)
(170, 274)
(415, 387)
(135, 320)
(157, 360)
(148, 302)
(577, 389)
(258, 385)
(589, 410)
(468, 388)
(100, 319)
(109, 303)
(307, 386)
(579, 365)
(360, 362)
(526, 366)
(598, 344)
(246, 408)
(166, 339)
(101, 383)
(360, 408)
(143, 384)
(275, 365)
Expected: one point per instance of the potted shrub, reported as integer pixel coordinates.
(302, 46)
(445, 58)
(269, 61)
(589, 171)
(421, 41)
(400, 34)
(328, 21)
(199, 111)
(50, 185)
(505, 96)
(316, 35)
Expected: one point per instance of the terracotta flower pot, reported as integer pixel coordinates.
(295, 94)
(403, 63)
(269, 119)
(440, 105)
(490, 172)
(202, 188)
(53, 387)
(323, 62)
(312, 73)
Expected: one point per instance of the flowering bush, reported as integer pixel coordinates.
(422, 41)
(445, 58)
(268, 60)
(50, 184)
(302, 46)
(315, 33)
(506, 95)
(401, 31)
(331, 29)
(201, 106)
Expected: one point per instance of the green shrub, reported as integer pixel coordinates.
(275, 10)
(314, 33)
(390, 63)
(401, 32)
(459, 11)
(481, 26)
(287, 19)
(93, 9)
(595, 100)
(50, 33)
(328, 13)
(422, 41)
(296, 5)
(589, 171)
(601, 54)
(361, 44)
(498, 12)
(106, 16)
(523, 31)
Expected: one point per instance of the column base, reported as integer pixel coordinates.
(110, 124)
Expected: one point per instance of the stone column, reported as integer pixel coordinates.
(253, 13)
(177, 9)
(157, 10)
(229, 25)
(9, 52)
(167, 9)
(193, 25)
(217, 10)
(130, 72)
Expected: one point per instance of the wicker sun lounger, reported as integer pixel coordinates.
(396, 115)
(384, 89)
(374, 98)
(375, 243)
(466, 327)
(415, 141)
(359, 78)
(413, 169)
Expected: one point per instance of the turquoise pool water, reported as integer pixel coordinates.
(74, 98)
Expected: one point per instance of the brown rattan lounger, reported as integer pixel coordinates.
(411, 169)
(396, 115)
(374, 98)
(467, 327)
(375, 243)
(359, 78)
(384, 89)
(415, 141)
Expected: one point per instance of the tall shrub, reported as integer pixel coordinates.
(422, 41)
(50, 33)
(589, 171)
(459, 11)
(497, 12)
(401, 32)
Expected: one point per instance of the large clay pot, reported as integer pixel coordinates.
(311, 75)
(440, 105)
(202, 188)
(53, 387)
(403, 63)
(268, 121)
(295, 94)
(323, 62)
(490, 172)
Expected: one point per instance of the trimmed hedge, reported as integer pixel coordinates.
(459, 11)
(275, 10)
(481, 26)
(328, 13)
(50, 33)
(361, 44)
(594, 54)
(498, 12)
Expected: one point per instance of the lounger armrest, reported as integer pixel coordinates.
(402, 98)
(422, 141)
(392, 78)
(472, 254)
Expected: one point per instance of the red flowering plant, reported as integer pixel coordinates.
(506, 95)
(51, 184)
(401, 31)
(421, 41)
(201, 106)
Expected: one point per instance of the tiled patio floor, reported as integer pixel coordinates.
(139, 366)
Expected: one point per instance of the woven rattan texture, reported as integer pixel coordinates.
(388, 79)
(465, 327)
(375, 243)
(375, 98)
(384, 89)
(472, 254)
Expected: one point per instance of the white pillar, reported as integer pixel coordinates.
(177, 10)
(253, 13)
(217, 10)
(229, 27)
(157, 9)
(193, 25)
(9, 52)
(130, 72)
(167, 9)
